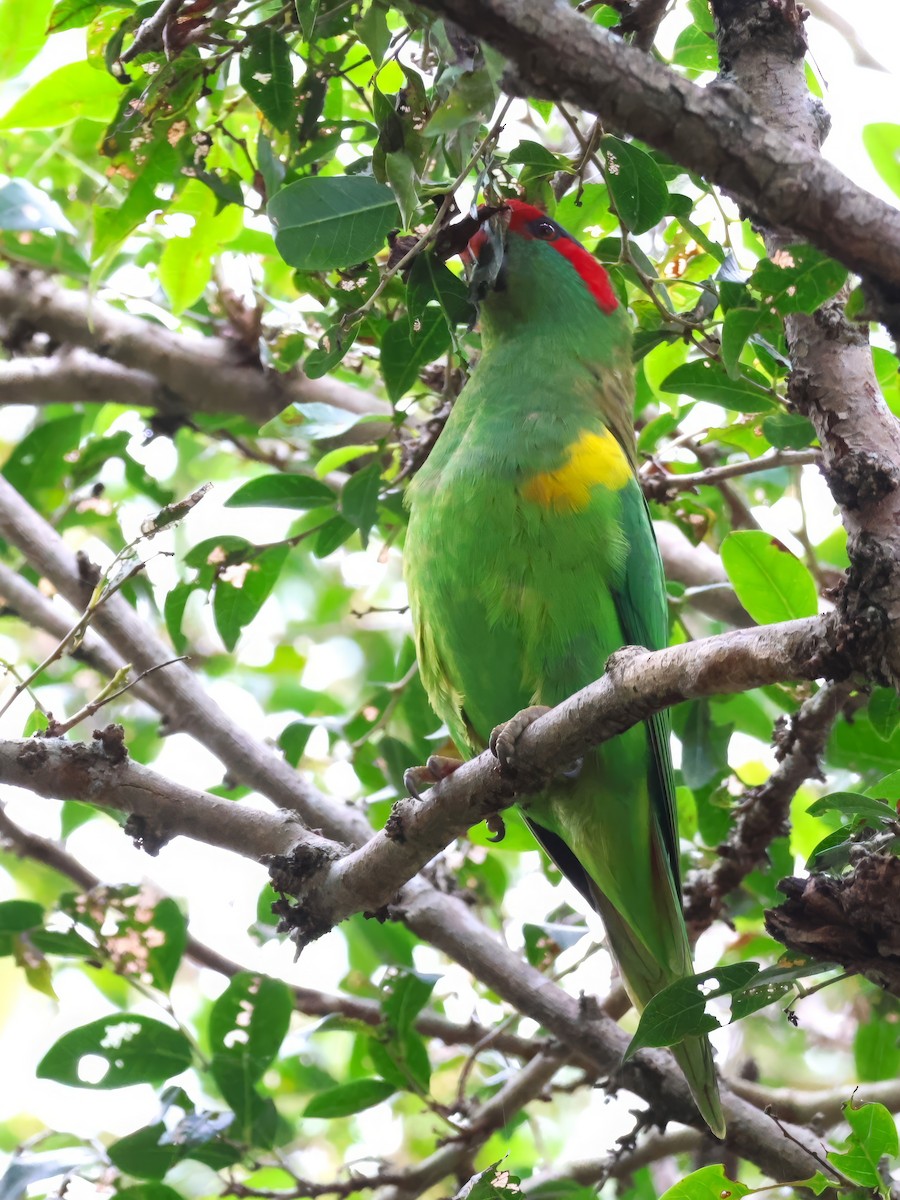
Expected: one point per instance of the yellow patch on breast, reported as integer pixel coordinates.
(593, 460)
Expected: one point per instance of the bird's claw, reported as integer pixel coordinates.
(497, 826)
(417, 780)
(504, 737)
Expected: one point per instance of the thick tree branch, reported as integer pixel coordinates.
(187, 706)
(102, 775)
(79, 377)
(832, 382)
(637, 683)
(559, 54)
(201, 374)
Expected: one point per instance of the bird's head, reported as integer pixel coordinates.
(520, 256)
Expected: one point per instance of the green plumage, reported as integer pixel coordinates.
(518, 602)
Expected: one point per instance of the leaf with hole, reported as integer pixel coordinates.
(117, 1051)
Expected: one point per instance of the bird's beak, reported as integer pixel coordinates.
(487, 250)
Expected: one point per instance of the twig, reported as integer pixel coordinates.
(436, 225)
(117, 686)
(149, 34)
(649, 1150)
(671, 483)
(103, 591)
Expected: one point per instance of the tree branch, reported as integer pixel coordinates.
(443, 920)
(592, 1171)
(309, 1001)
(762, 815)
(660, 484)
(637, 683)
(832, 380)
(523, 1087)
(202, 374)
(561, 55)
(102, 775)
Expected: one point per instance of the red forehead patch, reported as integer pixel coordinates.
(527, 221)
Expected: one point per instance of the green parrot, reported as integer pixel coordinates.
(530, 559)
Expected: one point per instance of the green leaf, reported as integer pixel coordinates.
(322, 223)
(332, 346)
(636, 184)
(267, 75)
(541, 161)
(407, 993)
(738, 325)
(696, 50)
(873, 1137)
(431, 280)
(875, 1049)
(25, 207)
(74, 14)
(852, 804)
(707, 380)
(147, 1191)
(373, 31)
(403, 178)
(884, 711)
(349, 1098)
(704, 746)
(293, 739)
(472, 99)
(237, 601)
(173, 610)
(494, 1183)
(164, 956)
(769, 581)
(38, 461)
(70, 92)
(186, 263)
(403, 353)
(770, 985)
(145, 1153)
(282, 491)
(788, 431)
(679, 1010)
(16, 916)
(709, 1183)
(882, 141)
(24, 33)
(799, 279)
(359, 499)
(115, 1052)
(247, 1025)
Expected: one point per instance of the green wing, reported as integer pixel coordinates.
(641, 604)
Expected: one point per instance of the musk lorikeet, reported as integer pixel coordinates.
(530, 559)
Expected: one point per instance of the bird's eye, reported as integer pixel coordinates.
(545, 230)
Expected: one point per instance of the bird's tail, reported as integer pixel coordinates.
(644, 974)
(694, 1056)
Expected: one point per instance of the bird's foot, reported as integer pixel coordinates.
(417, 780)
(503, 746)
(504, 738)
